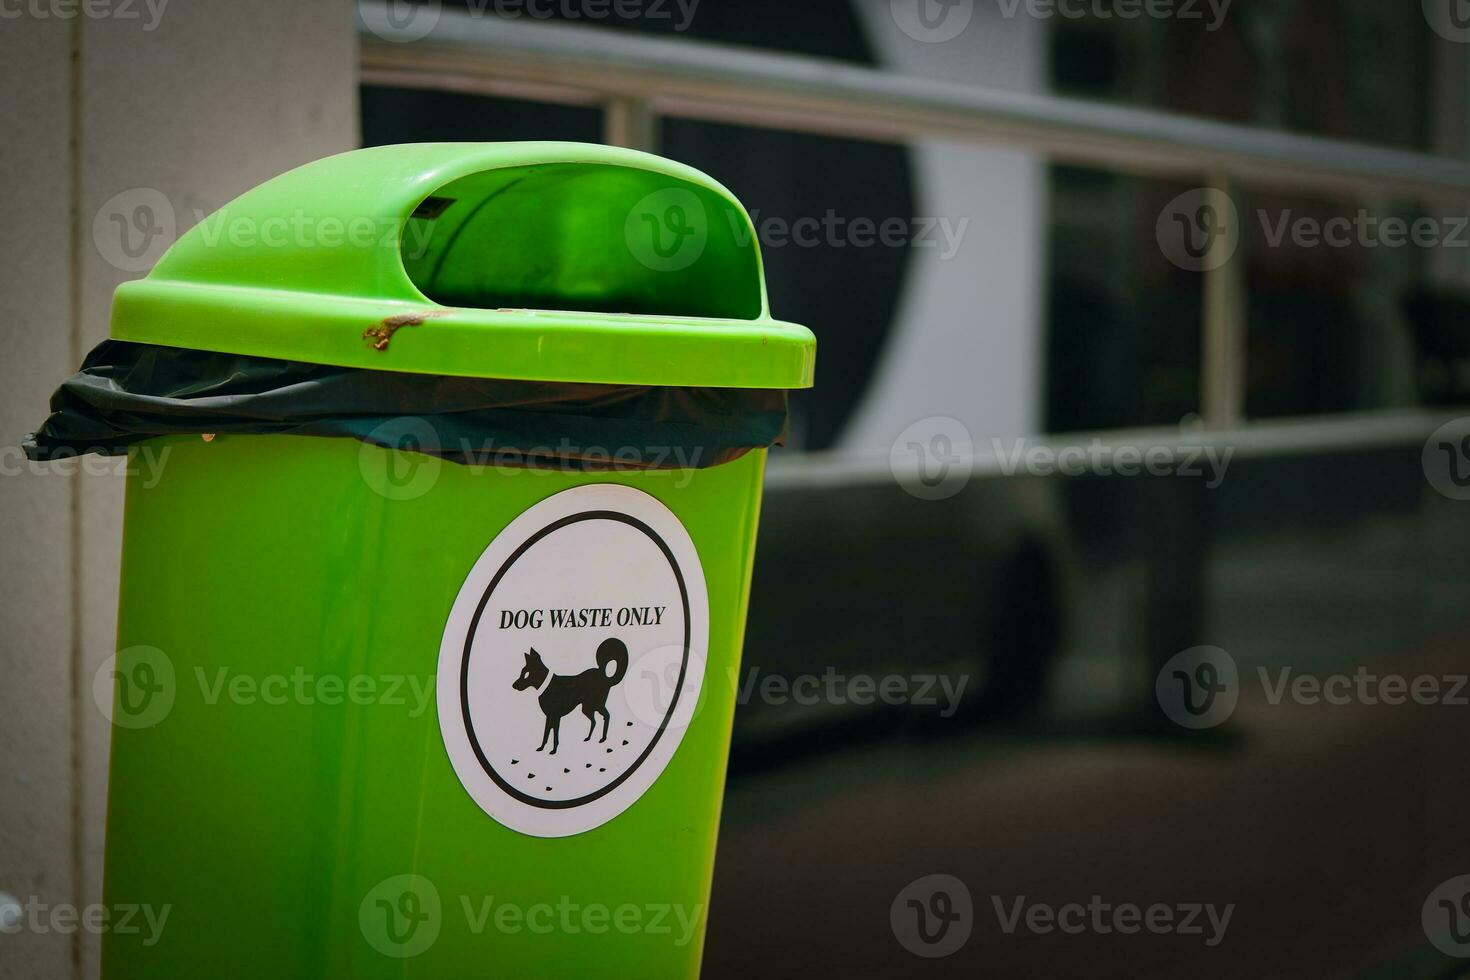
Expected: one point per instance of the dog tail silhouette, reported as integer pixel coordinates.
(613, 651)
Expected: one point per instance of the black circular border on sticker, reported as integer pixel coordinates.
(464, 667)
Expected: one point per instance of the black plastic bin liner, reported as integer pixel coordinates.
(126, 393)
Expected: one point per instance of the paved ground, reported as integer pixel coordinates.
(1326, 827)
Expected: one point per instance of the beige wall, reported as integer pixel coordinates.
(96, 115)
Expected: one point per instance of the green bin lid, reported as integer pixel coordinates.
(532, 261)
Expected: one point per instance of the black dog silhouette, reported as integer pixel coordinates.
(587, 689)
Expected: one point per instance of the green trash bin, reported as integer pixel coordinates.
(412, 712)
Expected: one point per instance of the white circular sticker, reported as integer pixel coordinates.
(573, 659)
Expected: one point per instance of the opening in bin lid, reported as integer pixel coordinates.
(532, 261)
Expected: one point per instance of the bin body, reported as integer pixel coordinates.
(378, 713)
(297, 788)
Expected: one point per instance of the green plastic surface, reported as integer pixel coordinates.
(264, 820)
(538, 261)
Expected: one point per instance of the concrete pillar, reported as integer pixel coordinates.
(121, 126)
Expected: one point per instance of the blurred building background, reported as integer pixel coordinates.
(1054, 178)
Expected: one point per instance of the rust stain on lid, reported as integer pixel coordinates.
(381, 334)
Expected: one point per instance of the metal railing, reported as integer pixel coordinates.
(636, 80)
(698, 80)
